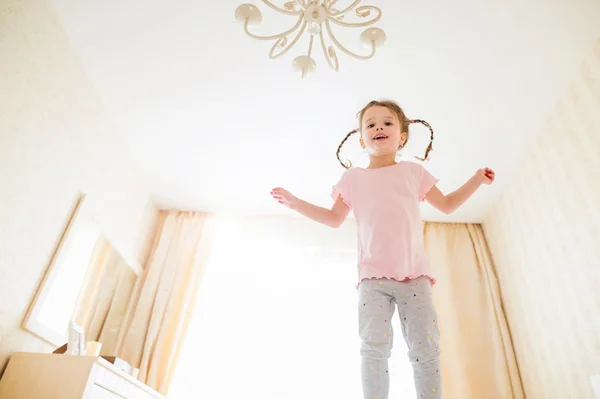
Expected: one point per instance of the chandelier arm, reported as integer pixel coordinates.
(333, 13)
(330, 55)
(310, 46)
(345, 50)
(281, 10)
(283, 41)
(360, 24)
(330, 4)
(302, 4)
(274, 37)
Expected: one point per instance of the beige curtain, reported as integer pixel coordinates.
(102, 306)
(478, 359)
(93, 276)
(110, 310)
(166, 296)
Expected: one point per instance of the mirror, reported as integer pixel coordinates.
(87, 281)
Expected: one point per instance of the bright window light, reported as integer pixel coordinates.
(276, 318)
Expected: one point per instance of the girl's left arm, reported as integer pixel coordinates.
(451, 202)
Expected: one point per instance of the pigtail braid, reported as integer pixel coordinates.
(339, 149)
(430, 146)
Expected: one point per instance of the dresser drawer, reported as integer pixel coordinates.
(97, 392)
(117, 383)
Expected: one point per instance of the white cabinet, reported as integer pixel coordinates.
(100, 393)
(50, 376)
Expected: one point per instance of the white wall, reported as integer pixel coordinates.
(55, 142)
(544, 233)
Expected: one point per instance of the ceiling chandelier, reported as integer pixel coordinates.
(315, 17)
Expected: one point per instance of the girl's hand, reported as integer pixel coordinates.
(284, 197)
(486, 176)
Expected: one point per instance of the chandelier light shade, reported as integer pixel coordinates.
(314, 17)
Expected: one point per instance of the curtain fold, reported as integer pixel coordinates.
(91, 284)
(166, 296)
(478, 358)
(101, 308)
(111, 308)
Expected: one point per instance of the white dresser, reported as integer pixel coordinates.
(50, 376)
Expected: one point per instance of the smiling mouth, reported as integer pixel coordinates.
(380, 137)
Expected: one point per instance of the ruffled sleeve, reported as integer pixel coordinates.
(343, 189)
(426, 182)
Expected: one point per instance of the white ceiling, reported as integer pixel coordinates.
(214, 123)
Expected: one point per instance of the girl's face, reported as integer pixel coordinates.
(381, 132)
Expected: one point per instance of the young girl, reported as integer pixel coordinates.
(392, 265)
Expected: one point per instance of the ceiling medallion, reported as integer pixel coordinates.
(315, 17)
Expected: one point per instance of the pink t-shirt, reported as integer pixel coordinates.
(385, 203)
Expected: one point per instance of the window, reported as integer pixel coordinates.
(276, 317)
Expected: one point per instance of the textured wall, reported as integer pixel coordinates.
(55, 142)
(544, 234)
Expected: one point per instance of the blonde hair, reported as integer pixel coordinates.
(402, 119)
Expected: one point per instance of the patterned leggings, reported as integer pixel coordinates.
(377, 300)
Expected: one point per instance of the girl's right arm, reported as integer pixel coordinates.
(333, 217)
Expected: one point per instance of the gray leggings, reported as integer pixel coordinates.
(377, 300)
